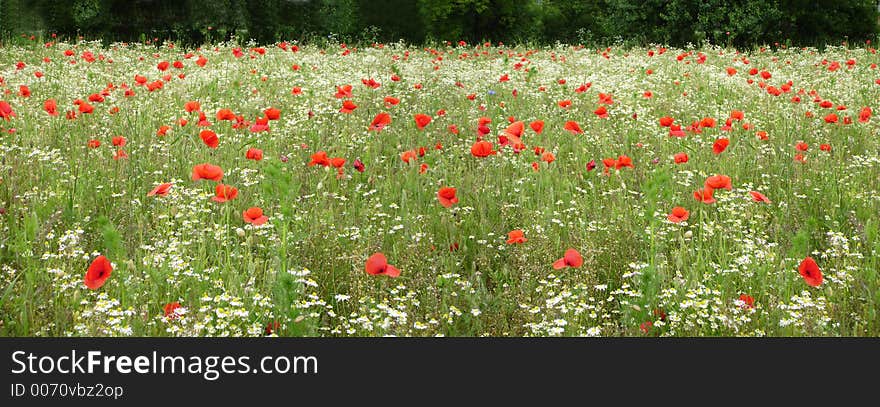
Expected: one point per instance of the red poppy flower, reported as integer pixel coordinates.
(602, 112)
(192, 106)
(223, 193)
(573, 127)
(516, 237)
(678, 215)
(737, 115)
(548, 157)
(676, 131)
(207, 171)
(169, 309)
(482, 149)
(272, 113)
(660, 314)
(343, 92)
(408, 156)
(98, 273)
(254, 154)
(515, 130)
(718, 182)
(371, 83)
(51, 107)
(95, 97)
(84, 108)
(320, 158)
(260, 124)
(537, 126)
(759, 197)
(748, 300)
(359, 165)
(865, 115)
(161, 189)
(623, 161)
(571, 259)
(446, 196)
(254, 216)
(609, 163)
(810, 272)
(380, 121)
(391, 101)
(665, 121)
(347, 106)
(377, 265)
(272, 327)
(210, 138)
(681, 158)
(225, 114)
(720, 145)
(337, 162)
(422, 120)
(704, 195)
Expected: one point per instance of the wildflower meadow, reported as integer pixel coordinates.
(459, 189)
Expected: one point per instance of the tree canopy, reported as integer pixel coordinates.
(673, 22)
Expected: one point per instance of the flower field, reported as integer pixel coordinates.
(462, 190)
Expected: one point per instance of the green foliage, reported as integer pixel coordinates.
(19, 17)
(673, 22)
(87, 13)
(111, 238)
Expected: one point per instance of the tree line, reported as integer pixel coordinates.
(673, 22)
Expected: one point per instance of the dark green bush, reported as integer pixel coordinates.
(674, 22)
